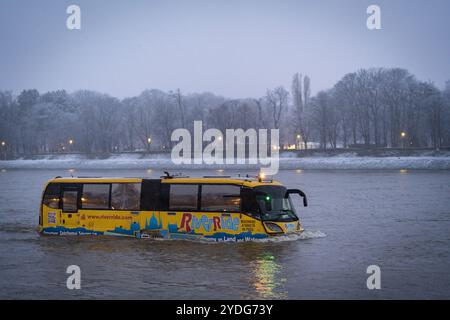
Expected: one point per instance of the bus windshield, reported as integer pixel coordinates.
(273, 204)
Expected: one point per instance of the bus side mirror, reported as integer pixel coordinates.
(300, 193)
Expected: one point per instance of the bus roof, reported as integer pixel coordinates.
(245, 181)
(94, 180)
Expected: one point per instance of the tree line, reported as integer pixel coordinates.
(370, 107)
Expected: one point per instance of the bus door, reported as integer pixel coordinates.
(71, 199)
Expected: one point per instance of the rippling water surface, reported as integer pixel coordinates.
(398, 220)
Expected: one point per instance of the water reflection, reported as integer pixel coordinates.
(268, 277)
(256, 270)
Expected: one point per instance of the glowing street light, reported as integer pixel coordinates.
(3, 143)
(403, 135)
(70, 141)
(149, 141)
(299, 139)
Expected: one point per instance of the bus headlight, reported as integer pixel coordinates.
(273, 227)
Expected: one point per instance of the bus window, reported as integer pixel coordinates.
(125, 196)
(70, 199)
(51, 196)
(183, 197)
(220, 198)
(95, 196)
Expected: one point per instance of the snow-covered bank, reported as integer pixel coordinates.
(164, 163)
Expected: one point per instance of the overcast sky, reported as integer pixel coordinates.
(232, 48)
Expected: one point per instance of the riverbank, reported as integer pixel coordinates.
(287, 161)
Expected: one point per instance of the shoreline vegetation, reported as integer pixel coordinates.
(367, 108)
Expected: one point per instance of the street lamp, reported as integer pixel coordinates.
(403, 135)
(70, 144)
(299, 137)
(4, 151)
(149, 141)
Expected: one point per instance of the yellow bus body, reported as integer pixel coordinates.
(167, 224)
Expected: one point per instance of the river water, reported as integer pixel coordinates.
(398, 220)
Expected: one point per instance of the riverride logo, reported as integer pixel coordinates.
(236, 142)
(191, 222)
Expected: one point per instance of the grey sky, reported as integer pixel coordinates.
(232, 48)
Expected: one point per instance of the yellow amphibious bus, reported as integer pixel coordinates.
(173, 207)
